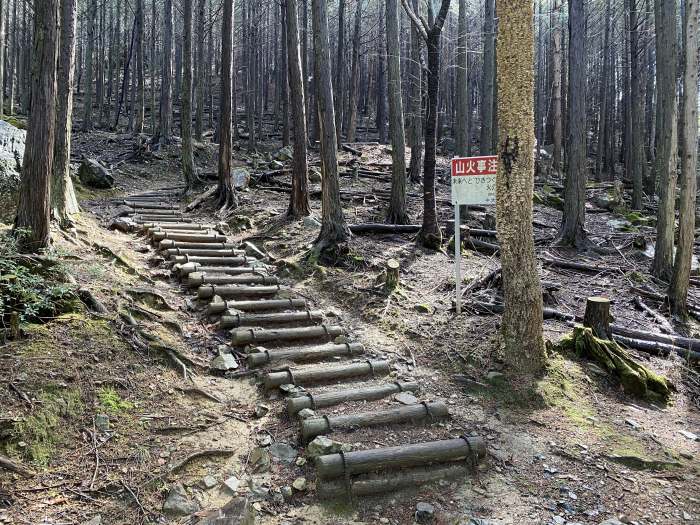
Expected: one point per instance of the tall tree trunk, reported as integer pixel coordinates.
(226, 191)
(574, 217)
(154, 124)
(89, 68)
(199, 80)
(351, 126)
(33, 210)
(397, 204)
(299, 199)
(666, 56)
(140, 81)
(63, 200)
(338, 86)
(636, 167)
(487, 82)
(13, 63)
(3, 43)
(166, 92)
(416, 99)
(188, 169)
(462, 86)
(381, 81)
(430, 235)
(334, 230)
(557, 132)
(521, 327)
(117, 61)
(678, 292)
(603, 96)
(283, 76)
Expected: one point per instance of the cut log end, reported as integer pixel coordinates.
(597, 316)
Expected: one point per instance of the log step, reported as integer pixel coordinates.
(227, 256)
(337, 397)
(154, 215)
(168, 244)
(256, 306)
(145, 219)
(188, 237)
(234, 320)
(185, 269)
(195, 279)
(326, 373)
(244, 336)
(151, 232)
(383, 482)
(176, 226)
(308, 353)
(319, 426)
(208, 291)
(331, 466)
(145, 205)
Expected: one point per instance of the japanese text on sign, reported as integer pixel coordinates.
(474, 180)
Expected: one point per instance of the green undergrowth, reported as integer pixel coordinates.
(30, 288)
(111, 401)
(35, 437)
(18, 123)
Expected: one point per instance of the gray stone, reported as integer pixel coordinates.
(12, 141)
(241, 178)
(425, 512)
(611, 521)
(283, 452)
(287, 492)
(261, 410)
(322, 445)
(480, 521)
(177, 503)
(102, 422)
(494, 377)
(208, 482)
(306, 413)
(406, 398)
(232, 483)
(260, 459)
(96, 520)
(224, 362)
(95, 175)
(122, 224)
(299, 484)
(284, 154)
(311, 224)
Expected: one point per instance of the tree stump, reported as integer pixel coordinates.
(597, 316)
(391, 276)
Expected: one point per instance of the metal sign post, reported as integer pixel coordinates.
(473, 182)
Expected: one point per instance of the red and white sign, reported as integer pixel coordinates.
(474, 180)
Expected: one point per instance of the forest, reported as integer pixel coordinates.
(349, 261)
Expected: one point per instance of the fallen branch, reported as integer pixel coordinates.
(561, 263)
(208, 452)
(203, 197)
(665, 325)
(7, 464)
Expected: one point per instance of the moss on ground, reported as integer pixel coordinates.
(36, 436)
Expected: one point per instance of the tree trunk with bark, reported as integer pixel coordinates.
(574, 217)
(397, 204)
(556, 92)
(166, 92)
(666, 160)
(299, 198)
(199, 80)
(678, 292)
(33, 210)
(415, 71)
(462, 86)
(140, 80)
(487, 81)
(522, 317)
(636, 155)
(339, 73)
(188, 169)
(63, 200)
(351, 126)
(89, 67)
(226, 191)
(334, 231)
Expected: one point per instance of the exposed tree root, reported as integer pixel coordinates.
(636, 379)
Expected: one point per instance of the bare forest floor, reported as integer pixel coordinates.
(570, 448)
